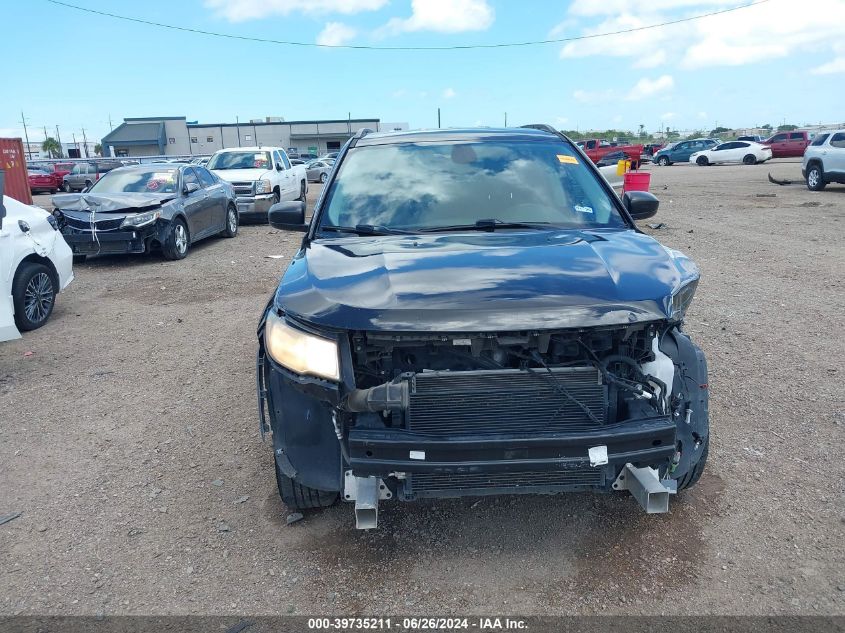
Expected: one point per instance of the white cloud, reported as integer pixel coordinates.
(646, 87)
(776, 30)
(442, 16)
(449, 93)
(335, 34)
(243, 10)
(836, 65)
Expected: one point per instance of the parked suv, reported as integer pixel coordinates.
(474, 312)
(83, 175)
(788, 144)
(824, 160)
(680, 152)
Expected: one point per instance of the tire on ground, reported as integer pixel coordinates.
(298, 497)
(694, 474)
(26, 273)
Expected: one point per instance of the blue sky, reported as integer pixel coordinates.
(764, 64)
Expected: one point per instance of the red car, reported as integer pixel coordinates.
(788, 144)
(41, 181)
(56, 170)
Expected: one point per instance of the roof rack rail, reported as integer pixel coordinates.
(359, 135)
(545, 127)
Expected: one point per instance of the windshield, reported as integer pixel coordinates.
(427, 185)
(240, 160)
(155, 179)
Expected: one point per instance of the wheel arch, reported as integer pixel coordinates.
(38, 259)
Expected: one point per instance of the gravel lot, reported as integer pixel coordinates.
(129, 440)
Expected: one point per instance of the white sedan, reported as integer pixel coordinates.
(745, 152)
(35, 264)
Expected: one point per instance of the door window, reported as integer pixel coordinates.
(278, 160)
(820, 139)
(285, 160)
(189, 176)
(796, 136)
(838, 140)
(77, 169)
(778, 138)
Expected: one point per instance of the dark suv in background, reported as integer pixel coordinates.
(474, 312)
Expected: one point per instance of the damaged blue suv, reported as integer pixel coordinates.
(474, 312)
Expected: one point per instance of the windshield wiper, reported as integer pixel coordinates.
(364, 229)
(487, 225)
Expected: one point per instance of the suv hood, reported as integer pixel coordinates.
(241, 175)
(476, 282)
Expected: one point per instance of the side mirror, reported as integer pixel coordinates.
(191, 187)
(279, 167)
(289, 216)
(640, 204)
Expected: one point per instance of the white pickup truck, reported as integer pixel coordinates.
(261, 176)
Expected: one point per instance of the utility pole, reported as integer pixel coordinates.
(59, 139)
(438, 118)
(111, 127)
(506, 119)
(26, 135)
(238, 126)
(85, 143)
(75, 144)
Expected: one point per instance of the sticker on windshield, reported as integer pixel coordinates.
(581, 209)
(568, 160)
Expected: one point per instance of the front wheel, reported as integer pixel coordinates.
(302, 189)
(663, 161)
(298, 497)
(694, 474)
(324, 177)
(66, 187)
(702, 161)
(176, 245)
(33, 295)
(815, 178)
(749, 159)
(231, 229)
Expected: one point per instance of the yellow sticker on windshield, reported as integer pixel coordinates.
(569, 160)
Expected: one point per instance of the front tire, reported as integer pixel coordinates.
(691, 478)
(298, 497)
(66, 187)
(33, 295)
(749, 159)
(324, 177)
(663, 161)
(702, 161)
(302, 191)
(815, 178)
(178, 241)
(231, 229)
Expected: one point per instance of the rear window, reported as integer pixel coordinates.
(420, 186)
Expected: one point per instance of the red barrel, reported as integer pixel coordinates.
(636, 181)
(13, 162)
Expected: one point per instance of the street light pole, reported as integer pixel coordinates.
(59, 139)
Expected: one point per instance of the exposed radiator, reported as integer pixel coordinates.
(471, 484)
(506, 401)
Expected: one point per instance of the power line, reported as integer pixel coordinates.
(403, 48)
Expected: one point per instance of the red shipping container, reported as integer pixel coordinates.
(13, 162)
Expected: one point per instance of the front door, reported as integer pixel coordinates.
(195, 204)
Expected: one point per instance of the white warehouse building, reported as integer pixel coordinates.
(175, 136)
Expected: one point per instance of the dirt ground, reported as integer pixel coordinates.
(129, 441)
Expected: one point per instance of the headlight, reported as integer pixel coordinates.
(263, 186)
(682, 298)
(141, 219)
(299, 351)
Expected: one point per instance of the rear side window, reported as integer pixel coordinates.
(205, 177)
(796, 136)
(820, 139)
(838, 140)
